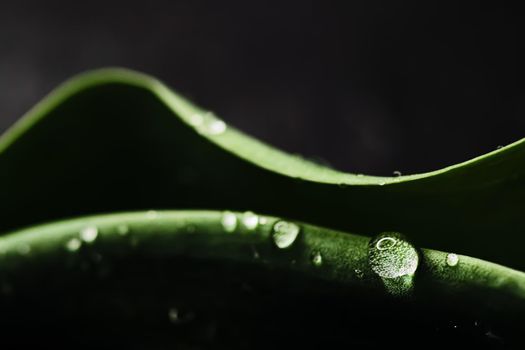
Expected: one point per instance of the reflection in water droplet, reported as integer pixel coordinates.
(73, 244)
(250, 220)
(452, 259)
(317, 259)
(122, 230)
(285, 233)
(23, 248)
(89, 234)
(229, 221)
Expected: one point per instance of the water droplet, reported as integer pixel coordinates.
(452, 259)
(196, 119)
(123, 230)
(152, 214)
(360, 175)
(285, 233)
(229, 221)
(317, 259)
(263, 220)
(250, 220)
(23, 248)
(73, 244)
(397, 173)
(499, 147)
(89, 234)
(359, 273)
(216, 127)
(382, 183)
(211, 125)
(392, 256)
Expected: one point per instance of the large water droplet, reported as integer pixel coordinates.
(89, 234)
(452, 259)
(285, 233)
(250, 220)
(73, 244)
(392, 256)
(317, 259)
(229, 221)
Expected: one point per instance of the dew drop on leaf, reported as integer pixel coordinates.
(285, 233)
(229, 221)
(73, 244)
(89, 234)
(250, 220)
(391, 255)
(122, 230)
(452, 259)
(317, 259)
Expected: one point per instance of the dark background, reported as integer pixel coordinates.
(368, 86)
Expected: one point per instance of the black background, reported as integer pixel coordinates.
(368, 86)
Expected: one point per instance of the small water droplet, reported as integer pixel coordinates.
(89, 234)
(359, 273)
(250, 220)
(499, 147)
(152, 214)
(360, 175)
(123, 230)
(73, 244)
(285, 233)
(216, 127)
(24, 249)
(211, 125)
(382, 183)
(196, 119)
(392, 256)
(229, 221)
(452, 259)
(397, 173)
(317, 259)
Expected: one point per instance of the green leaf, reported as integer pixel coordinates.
(100, 250)
(115, 140)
